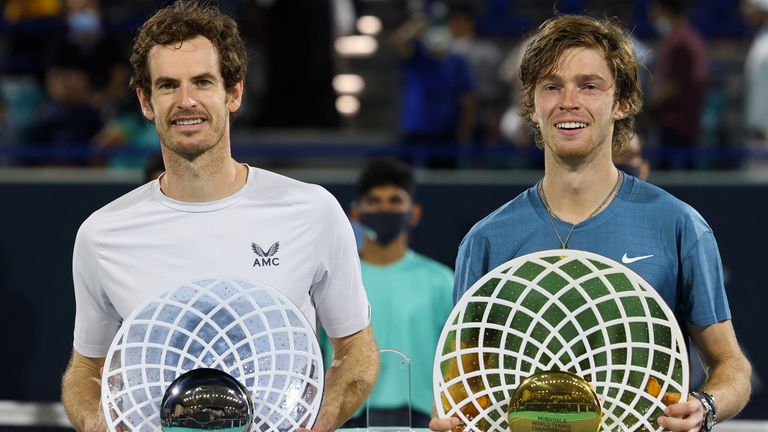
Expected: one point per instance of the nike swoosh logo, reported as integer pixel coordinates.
(627, 260)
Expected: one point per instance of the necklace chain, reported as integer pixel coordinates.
(551, 214)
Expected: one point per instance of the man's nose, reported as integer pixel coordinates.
(570, 99)
(187, 96)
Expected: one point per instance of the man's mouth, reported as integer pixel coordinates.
(570, 125)
(187, 122)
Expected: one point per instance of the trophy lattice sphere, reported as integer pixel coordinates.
(206, 400)
(563, 310)
(251, 332)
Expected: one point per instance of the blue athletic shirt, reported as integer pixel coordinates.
(661, 238)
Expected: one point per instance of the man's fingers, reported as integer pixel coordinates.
(684, 417)
(684, 409)
(689, 424)
(443, 424)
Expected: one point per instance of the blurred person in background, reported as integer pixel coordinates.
(189, 63)
(485, 58)
(87, 44)
(756, 79)
(28, 23)
(409, 293)
(129, 133)
(438, 107)
(513, 127)
(66, 120)
(681, 77)
(86, 81)
(629, 158)
(24, 25)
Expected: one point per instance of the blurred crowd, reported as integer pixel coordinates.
(64, 98)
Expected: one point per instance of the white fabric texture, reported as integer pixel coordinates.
(275, 231)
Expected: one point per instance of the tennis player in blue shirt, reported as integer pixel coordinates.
(581, 93)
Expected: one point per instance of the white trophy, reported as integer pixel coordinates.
(214, 354)
(560, 340)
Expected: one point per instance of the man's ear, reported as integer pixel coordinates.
(235, 96)
(534, 118)
(620, 112)
(416, 213)
(146, 105)
(354, 213)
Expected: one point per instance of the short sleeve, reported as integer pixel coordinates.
(470, 263)
(337, 290)
(96, 320)
(704, 300)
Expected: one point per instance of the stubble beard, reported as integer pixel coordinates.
(576, 154)
(189, 148)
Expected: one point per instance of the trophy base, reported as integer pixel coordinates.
(554, 401)
(548, 422)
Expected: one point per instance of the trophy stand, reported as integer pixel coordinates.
(398, 368)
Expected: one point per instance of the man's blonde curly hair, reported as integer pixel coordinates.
(608, 36)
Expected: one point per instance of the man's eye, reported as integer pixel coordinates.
(204, 83)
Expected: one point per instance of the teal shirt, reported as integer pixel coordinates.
(410, 301)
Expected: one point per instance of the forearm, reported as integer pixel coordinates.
(405, 36)
(729, 383)
(81, 390)
(728, 371)
(349, 380)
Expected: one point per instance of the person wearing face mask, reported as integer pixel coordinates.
(680, 82)
(409, 293)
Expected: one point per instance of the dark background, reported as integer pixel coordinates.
(39, 222)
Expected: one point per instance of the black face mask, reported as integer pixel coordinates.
(384, 227)
(628, 169)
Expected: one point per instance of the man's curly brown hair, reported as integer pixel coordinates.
(608, 36)
(182, 21)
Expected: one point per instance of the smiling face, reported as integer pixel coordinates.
(189, 102)
(575, 106)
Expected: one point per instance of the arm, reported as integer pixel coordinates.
(405, 36)
(728, 375)
(81, 393)
(349, 380)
